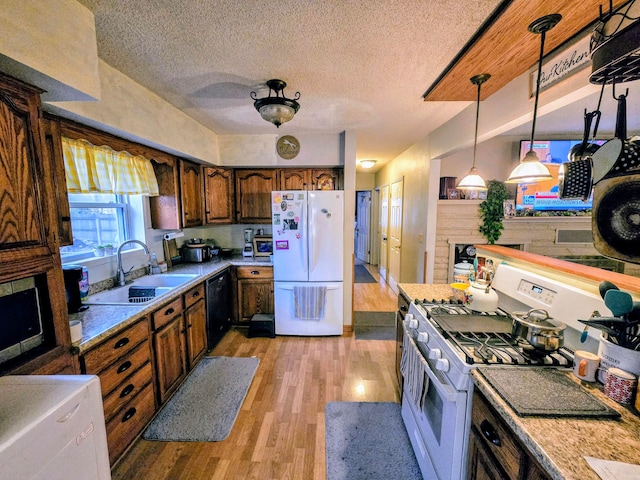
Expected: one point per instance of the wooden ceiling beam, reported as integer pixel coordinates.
(504, 47)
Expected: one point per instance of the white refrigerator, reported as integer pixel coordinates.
(308, 262)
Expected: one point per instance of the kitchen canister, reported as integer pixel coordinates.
(585, 365)
(620, 385)
(76, 330)
(612, 355)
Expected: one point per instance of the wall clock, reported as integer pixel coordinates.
(288, 147)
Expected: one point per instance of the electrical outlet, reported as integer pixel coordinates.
(421, 238)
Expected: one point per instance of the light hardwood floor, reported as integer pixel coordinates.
(374, 297)
(280, 430)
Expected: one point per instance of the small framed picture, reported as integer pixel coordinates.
(472, 194)
(509, 208)
(482, 195)
(453, 194)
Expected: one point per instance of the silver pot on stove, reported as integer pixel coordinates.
(541, 331)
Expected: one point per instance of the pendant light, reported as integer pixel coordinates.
(277, 108)
(473, 180)
(531, 169)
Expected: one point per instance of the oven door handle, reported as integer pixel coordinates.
(444, 390)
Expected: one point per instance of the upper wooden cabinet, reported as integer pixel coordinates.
(253, 194)
(165, 208)
(219, 201)
(310, 179)
(55, 157)
(191, 193)
(24, 180)
(295, 179)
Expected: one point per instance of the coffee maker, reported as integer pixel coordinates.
(247, 251)
(72, 275)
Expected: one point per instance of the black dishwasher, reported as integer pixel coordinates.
(219, 306)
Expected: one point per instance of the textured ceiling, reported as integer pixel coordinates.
(361, 66)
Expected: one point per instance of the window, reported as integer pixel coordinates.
(97, 219)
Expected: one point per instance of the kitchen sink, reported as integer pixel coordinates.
(147, 289)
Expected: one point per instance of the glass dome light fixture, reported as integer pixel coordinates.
(531, 169)
(367, 163)
(277, 108)
(473, 180)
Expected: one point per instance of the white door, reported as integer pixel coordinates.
(326, 235)
(289, 221)
(395, 233)
(384, 231)
(363, 225)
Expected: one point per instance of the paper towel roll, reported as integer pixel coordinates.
(170, 236)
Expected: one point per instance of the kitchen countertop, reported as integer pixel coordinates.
(102, 321)
(423, 290)
(560, 444)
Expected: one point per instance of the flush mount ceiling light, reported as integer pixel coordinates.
(530, 169)
(473, 180)
(367, 163)
(276, 109)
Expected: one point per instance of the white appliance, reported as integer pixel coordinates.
(247, 251)
(443, 343)
(52, 428)
(308, 261)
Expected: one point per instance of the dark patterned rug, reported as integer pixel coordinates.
(362, 275)
(374, 325)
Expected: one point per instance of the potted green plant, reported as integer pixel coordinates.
(98, 251)
(108, 249)
(492, 211)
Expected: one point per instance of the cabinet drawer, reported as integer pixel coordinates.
(129, 422)
(163, 315)
(128, 389)
(111, 377)
(496, 437)
(117, 346)
(255, 272)
(193, 295)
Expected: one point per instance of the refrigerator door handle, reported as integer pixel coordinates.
(289, 287)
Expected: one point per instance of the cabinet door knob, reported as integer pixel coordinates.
(490, 433)
(255, 272)
(196, 294)
(169, 311)
(124, 367)
(129, 414)
(121, 343)
(126, 390)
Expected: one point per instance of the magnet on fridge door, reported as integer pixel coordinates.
(282, 244)
(283, 206)
(276, 219)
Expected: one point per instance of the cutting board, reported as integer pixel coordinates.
(544, 392)
(171, 254)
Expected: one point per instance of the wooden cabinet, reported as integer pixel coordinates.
(179, 339)
(123, 363)
(310, 179)
(219, 198)
(23, 177)
(191, 193)
(326, 179)
(28, 229)
(494, 451)
(253, 194)
(295, 179)
(165, 209)
(195, 321)
(254, 291)
(169, 348)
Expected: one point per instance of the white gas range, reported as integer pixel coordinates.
(443, 343)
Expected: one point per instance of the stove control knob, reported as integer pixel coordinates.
(435, 354)
(442, 364)
(423, 337)
(412, 322)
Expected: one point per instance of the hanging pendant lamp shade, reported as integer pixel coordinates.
(473, 180)
(531, 169)
(277, 108)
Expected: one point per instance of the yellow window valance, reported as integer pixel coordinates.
(90, 168)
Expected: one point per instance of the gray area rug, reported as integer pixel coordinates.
(374, 325)
(362, 275)
(207, 404)
(368, 440)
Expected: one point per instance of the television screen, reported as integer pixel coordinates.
(544, 196)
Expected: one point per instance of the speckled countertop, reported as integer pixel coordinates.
(558, 444)
(426, 291)
(102, 321)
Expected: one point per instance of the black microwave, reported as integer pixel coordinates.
(21, 319)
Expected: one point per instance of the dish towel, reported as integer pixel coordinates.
(412, 366)
(309, 302)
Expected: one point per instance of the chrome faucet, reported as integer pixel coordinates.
(121, 275)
